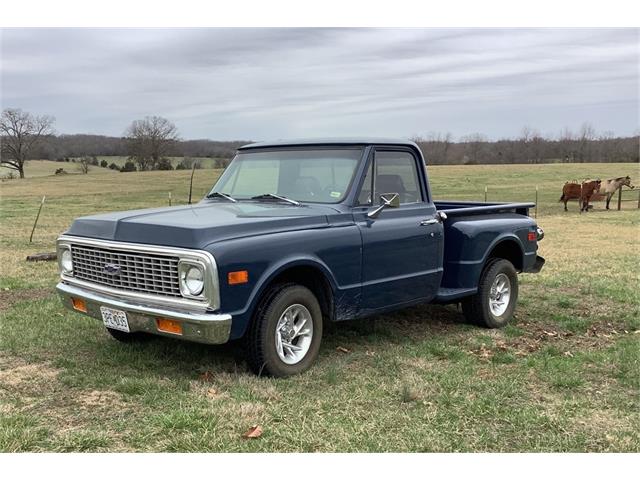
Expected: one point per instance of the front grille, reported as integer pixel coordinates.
(138, 272)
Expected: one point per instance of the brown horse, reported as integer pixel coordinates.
(583, 193)
(609, 188)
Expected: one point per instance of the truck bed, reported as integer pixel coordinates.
(465, 250)
(458, 208)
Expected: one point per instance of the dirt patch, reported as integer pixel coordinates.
(599, 334)
(207, 390)
(8, 298)
(604, 420)
(566, 341)
(266, 392)
(420, 363)
(538, 335)
(93, 399)
(216, 386)
(604, 423)
(245, 412)
(18, 374)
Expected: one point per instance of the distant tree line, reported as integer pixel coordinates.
(78, 145)
(149, 142)
(583, 145)
(530, 146)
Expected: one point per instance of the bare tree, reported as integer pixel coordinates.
(607, 146)
(435, 146)
(474, 147)
(150, 140)
(566, 143)
(19, 133)
(587, 134)
(84, 164)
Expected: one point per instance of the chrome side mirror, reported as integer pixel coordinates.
(387, 200)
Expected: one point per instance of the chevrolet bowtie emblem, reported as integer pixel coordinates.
(112, 269)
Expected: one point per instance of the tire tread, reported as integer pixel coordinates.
(473, 307)
(253, 339)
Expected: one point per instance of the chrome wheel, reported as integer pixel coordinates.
(294, 332)
(499, 295)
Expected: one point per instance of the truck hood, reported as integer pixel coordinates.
(195, 226)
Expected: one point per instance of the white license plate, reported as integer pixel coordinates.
(116, 319)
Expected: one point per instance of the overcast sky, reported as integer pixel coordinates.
(276, 83)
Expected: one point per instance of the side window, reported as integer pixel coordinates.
(396, 172)
(365, 197)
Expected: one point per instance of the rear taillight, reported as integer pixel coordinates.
(535, 236)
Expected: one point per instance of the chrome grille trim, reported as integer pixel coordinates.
(154, 268)
(152, 274)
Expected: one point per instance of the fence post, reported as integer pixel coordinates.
(485, 194)
(193, 170)
(169, 198)
(536, 210)
(619, 198)
(638, 198)
(36, 222)
(580, 201)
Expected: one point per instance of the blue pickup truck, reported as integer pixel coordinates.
(295, 234)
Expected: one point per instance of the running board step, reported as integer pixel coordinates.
(449, 295)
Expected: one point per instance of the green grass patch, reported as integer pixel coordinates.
(566, 372)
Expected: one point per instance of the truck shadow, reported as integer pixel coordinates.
(400, 327)
(408, 324)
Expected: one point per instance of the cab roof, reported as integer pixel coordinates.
(355, 141)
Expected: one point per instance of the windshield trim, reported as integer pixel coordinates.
(363, 155)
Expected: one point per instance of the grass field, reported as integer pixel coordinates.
(47, 168)
(565, 376)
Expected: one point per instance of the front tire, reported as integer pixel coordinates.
(495, 302)
(285, 335)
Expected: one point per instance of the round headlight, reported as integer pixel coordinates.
(194, 280)
(65, 261)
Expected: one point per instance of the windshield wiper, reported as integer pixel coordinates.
(222, 195)
(277, 197)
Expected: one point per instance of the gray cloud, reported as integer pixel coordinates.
(275, 83)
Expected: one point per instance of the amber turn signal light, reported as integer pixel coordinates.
(241, 276)
(169, 326)
(79, 304)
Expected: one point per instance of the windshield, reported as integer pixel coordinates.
(308, 175)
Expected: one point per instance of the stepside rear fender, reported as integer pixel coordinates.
(469, 241)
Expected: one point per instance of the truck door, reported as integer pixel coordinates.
(402, 247)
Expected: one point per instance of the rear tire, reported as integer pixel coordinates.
(285, 334)
(494, 303)
(128, 337)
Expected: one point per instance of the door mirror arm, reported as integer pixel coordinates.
(387, 200)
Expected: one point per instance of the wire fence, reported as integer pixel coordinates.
(546, 199)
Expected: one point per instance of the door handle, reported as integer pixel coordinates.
(440, 218)
(431, 221)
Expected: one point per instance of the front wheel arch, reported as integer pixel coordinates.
(309, 275)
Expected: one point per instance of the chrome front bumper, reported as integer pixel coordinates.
(212, 328)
